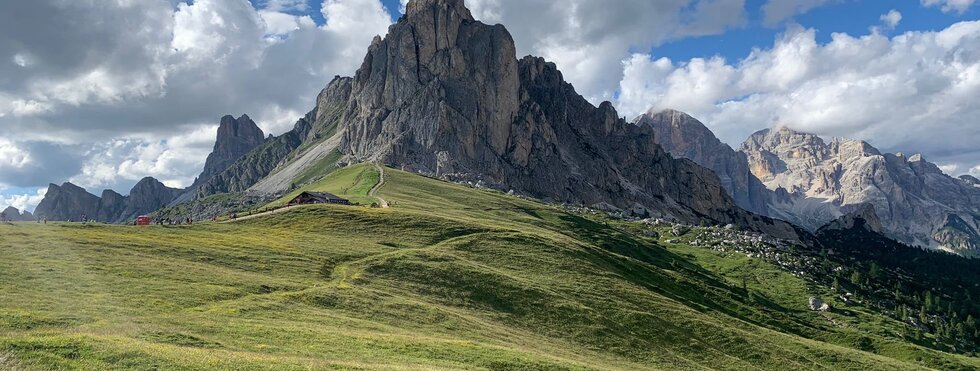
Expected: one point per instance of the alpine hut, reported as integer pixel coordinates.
(310, 198)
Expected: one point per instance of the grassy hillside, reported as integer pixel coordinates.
(352, 182)
(449, 278)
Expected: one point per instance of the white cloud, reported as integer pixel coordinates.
(13, 156)
(23, 202)
(175, 160)
(947, 6)
(588, 39)
(913, 92)
(776, 11)
(892, 18)
(105, 94)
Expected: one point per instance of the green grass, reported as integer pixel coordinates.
(352, 183)
(323, 167)
(449, 278)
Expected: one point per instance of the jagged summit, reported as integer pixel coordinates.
(71, 202)
(417, 7)
(684, 136)
(445, 95)
(235, 138)
(916, 202)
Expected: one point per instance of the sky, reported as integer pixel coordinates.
(105, 92)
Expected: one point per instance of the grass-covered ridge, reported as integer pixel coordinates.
(449, 278)
(352, 182)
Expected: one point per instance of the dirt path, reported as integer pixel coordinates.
(381, 182)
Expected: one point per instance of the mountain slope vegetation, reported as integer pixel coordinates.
(449, 278)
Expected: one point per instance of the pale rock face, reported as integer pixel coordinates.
(685, 137)
(817, 182)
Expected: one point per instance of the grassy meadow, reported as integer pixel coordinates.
(448, 278)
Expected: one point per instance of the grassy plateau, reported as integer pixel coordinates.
(448, 278)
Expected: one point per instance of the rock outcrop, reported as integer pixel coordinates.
(260, 162)
(685, 137)
(69, 202)
(13, 214)
(111, 205)
(863, 216)
(146, 196)
(236, 138)
(445, 95)
(817, 182)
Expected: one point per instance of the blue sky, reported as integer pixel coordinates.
(851, 17)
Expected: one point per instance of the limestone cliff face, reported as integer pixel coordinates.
(916, 203)
(146, 196)
(445, 95)
(236, 137)
(70, 202)
(685, 137)
(111, 205)
(259, 162)
(67, 202)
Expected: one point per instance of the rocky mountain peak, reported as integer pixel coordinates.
(783, 139)
(13, 214)
(67, 202)
(445, 95)
(417, 8)
(684, 136)
(235, 138)
(913, 199)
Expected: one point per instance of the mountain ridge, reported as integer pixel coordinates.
(69, 202)
(445, 95)
(812, 182)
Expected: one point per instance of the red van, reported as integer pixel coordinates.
(142, 220)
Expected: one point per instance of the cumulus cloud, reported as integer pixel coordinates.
(23, 202)
(588, 39)
(957, 6)
(913, 92)
(93, 91)
(892, 18)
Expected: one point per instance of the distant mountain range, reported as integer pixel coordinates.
(445, 95)
(811, 182)
(13, 214)
(236, 137)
